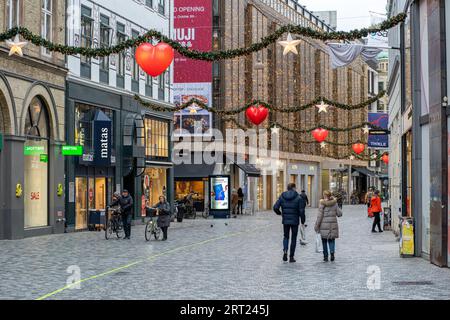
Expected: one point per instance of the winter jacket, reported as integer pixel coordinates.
(305, 197)
(292, 208)
(327, 223)
(234, 199)
(164, 214)
(376, 204)
(125, 203)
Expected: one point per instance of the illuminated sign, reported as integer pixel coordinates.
(33, 150)
(219, 193)
(72, 150)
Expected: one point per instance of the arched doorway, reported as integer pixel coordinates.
(37, 133)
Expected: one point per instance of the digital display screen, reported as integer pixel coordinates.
(219, 190)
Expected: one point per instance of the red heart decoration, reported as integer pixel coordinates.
(320, 134)
(154, 60)
(359, 148)
(257, 114)
(385, 158)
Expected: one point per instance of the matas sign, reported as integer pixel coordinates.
(102, 127)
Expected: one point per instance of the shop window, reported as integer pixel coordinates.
(154, 184)
(81, 206)
(157, 137)
(36, 165)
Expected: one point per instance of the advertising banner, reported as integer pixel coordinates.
(193, 29)
(194, 120)
(192, 78)
(102, 133)
(220, 193)
(380, 120)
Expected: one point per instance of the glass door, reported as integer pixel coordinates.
(100, 193)
(81, 203)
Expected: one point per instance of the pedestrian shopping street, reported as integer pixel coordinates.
(217, 259)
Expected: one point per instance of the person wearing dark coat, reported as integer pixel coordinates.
(163, 208)
(305, 197)
(240, 201)
(125, 202)
(291, 206)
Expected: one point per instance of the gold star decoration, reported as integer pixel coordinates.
(323, 145)
(322, 107)
(192, 110)
(366, 129)
(15, 46)
(290, 45)
(352, 158)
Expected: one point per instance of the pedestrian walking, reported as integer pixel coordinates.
(339, 198)
(163, 208)
(302, 227)
(327, 224)
(368, 202)
(291, 207)
(234, 201)
(125, 202)
(240, 201)
(376, 211)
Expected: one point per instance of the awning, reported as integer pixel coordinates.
(365, 172)
(193, 170)
(249, 169)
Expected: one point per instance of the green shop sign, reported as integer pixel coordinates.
(72, 150)
(34, 150)
(44, 158)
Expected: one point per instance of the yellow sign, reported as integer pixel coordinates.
(60, 190)
(407, 241)
(19, 190)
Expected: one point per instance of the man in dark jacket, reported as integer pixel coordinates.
(125, 201)
(293, 212)
(305, 197)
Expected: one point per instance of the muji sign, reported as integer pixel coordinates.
(102, 135)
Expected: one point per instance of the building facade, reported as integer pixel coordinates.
(32, 99)
(418, 105)
(100, 94)
(287, 81)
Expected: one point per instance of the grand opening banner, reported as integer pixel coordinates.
(192, 78)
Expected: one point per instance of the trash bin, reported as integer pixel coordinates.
(180, 213)
(406, 237)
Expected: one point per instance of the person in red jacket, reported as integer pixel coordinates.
(375, 202)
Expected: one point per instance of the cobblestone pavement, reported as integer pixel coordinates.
(217, 259)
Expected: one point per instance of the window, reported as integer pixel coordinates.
(149, 86)
(46, 23)
(13, 11)
(105, 34)
(162, 7)
(149, 3)
(121, 37)
(161, 91)
(86, 39)
(134, 66)
(84, 114)
(157, 137)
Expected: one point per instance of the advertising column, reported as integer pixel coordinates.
(192, 78)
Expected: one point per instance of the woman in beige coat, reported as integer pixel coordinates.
(327, 224)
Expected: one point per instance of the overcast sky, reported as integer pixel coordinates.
(352, 14)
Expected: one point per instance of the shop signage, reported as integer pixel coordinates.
(102, 139)
(379, 139)
(33, 150)
(43, 158)
(72, 150)
(88, 157)
(219, 193)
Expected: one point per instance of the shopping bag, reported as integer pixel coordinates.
(303, 241)
(319, 247)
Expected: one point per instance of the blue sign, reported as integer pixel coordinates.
(380, 120)
(102, 135)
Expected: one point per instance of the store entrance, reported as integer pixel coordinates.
(183, 187)
(92, 194)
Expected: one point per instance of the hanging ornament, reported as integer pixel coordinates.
(15, 46)
(290, 45)
(366, 129)
(320, 134)
(359, 148)
(257, 114)
(385, 158)
(322, 107)
(154, 60)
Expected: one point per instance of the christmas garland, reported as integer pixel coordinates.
(200, 55)
(231, 112)
(327, 142)
(332, 129)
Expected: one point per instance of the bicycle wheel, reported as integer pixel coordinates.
(148, 230)
(109, 230)
(119, 228)
(157, 233)
(205, 214)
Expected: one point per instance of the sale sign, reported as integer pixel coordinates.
(193, 30)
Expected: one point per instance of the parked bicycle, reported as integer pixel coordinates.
(152, 231)
(114, 224)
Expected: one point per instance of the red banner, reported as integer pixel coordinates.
(193, 29)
